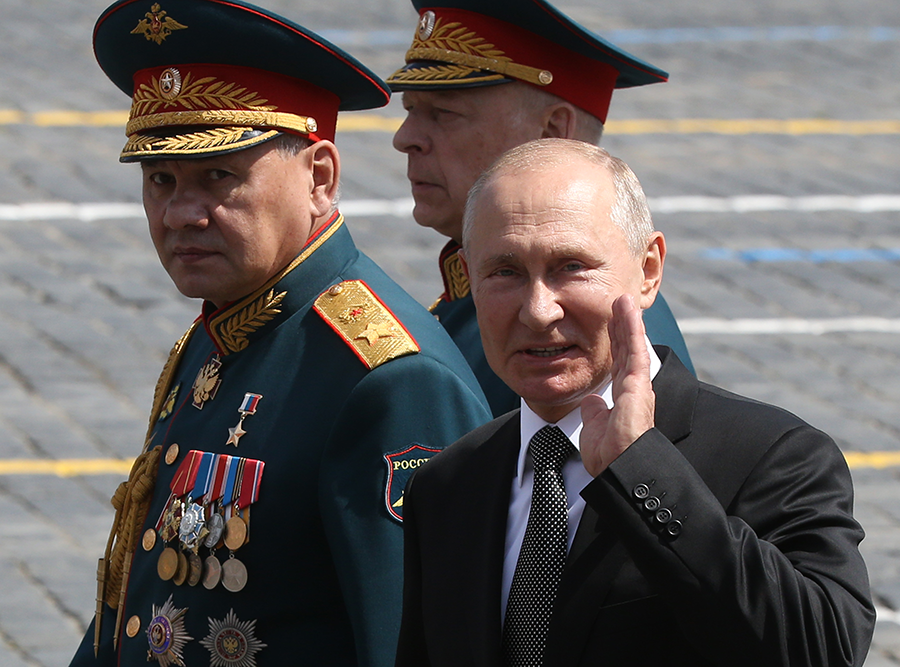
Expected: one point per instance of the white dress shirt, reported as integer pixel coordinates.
(575, 477)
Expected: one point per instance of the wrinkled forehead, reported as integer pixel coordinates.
(541, 210)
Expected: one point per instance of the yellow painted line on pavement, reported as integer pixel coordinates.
(76, 467)
(65, 467)
(794, 126)
(879, 460)
(363, 122)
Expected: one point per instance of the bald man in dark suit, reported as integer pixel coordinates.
(696, 527)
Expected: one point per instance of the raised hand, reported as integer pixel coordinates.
(609, 432)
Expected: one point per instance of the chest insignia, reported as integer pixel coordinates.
(232, 642)
(166, 635)
(248, 407)
(169, 406)
(207, 382)
(368, 327)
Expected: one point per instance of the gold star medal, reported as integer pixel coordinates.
(232, 642)
(207, 382)
(166, 635)
(248, 407)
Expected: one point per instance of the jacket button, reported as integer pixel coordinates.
(651, 504)
(664, 515)
(641, 491)
(674, 527)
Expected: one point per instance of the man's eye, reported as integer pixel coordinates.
(161, 178)
(219, 174)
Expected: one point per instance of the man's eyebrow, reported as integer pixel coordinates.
(502, 258)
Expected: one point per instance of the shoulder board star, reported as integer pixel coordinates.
(373, 333)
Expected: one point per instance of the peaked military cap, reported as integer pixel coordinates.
(468, 43)
(208, 77)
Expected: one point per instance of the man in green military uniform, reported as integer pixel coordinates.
(262, 522)
(481, 77)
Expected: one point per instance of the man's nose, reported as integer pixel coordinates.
(186, 209)
(410, 138)
(540, 307)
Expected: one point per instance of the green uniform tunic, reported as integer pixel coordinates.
(338, 439)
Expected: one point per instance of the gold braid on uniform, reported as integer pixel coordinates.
(132, 502)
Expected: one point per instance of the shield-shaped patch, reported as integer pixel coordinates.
(401, 464)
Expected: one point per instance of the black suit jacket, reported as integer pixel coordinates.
(762, 568)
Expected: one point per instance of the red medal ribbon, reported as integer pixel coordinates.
(187, 473)
(252, 476)
(220, 474)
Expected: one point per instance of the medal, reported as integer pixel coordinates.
(171, 521)
(232, 642)
(166, 635)
(195, 569)
(192, 526)
(234, 575)
(167, 564)
(216, 527)
(212, 572)
(207, 382)
(181, 571)
(235, 533)
(248, 407)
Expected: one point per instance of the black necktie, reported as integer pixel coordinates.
(543, 554)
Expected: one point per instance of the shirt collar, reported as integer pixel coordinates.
(571, 424)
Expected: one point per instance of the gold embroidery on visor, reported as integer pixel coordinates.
(466, 53)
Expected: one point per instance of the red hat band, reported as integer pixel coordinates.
(229, 96)
(467, 41)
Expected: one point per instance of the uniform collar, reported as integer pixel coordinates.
(456, 284)
(234, 326)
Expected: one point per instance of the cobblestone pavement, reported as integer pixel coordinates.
(87, 316)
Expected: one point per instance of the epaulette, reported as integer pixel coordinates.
(359, 317)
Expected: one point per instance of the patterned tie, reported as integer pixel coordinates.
(543, 553)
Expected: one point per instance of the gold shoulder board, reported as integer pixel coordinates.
(366, 325)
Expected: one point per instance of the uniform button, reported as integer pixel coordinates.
(133, 627)
(641, 491)
(674, 527)
(172, 453)
(335, 290)
(664, 515)
(651, 504)
(149, 539)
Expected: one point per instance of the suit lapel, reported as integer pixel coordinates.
(597, 555)
(493, 468)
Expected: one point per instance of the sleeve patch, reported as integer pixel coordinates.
(401, 465)
(359, 317)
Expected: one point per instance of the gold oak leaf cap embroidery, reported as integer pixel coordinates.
(364, 323)
(211, 76)
(470, 43)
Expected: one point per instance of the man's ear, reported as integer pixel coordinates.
(325, 166)
(558, 121)
(654, 257)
